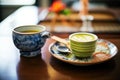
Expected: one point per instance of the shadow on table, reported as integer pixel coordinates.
(93, 72)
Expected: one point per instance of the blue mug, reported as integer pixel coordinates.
(29, 39)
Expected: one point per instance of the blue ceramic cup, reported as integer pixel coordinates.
(29, 39)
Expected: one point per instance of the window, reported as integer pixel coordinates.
(17, 2)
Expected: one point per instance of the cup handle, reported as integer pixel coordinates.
(45, 34)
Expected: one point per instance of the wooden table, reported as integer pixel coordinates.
(46, 67)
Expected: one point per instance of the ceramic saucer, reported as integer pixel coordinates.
(105, 50)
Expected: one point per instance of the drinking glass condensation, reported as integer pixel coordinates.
(83, 44)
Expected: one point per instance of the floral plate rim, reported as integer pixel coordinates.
(112, 47)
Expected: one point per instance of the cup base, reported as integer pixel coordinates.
(30, 53)
(81, 58)
(82, 54)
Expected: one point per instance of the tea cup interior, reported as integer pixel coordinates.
(29, 29)
(83, 37)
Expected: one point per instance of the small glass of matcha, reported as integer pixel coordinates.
(83, 44)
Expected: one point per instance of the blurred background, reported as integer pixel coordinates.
(9, 6)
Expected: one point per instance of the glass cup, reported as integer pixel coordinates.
(83, 44)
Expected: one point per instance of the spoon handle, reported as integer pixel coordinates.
(61, 40)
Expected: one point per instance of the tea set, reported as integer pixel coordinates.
(81, 48)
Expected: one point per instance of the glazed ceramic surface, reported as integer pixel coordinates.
(83, 44)
(103, 47)
(30, 44)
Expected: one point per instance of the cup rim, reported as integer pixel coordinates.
(15, 29)
(95, 36)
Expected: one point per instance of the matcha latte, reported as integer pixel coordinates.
(83, 37)
(83, 44)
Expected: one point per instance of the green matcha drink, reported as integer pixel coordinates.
(83, 37)
(83, 44)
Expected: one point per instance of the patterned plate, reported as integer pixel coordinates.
(105, 50)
